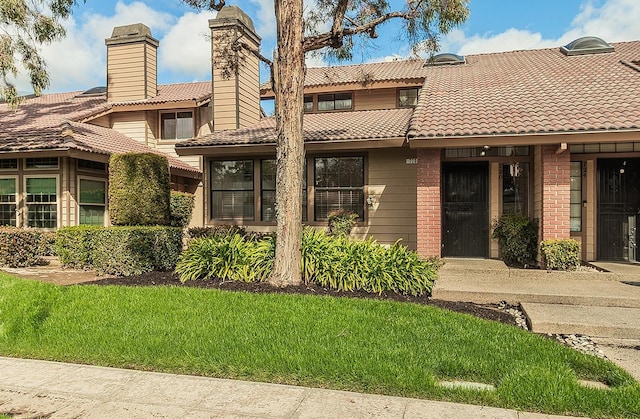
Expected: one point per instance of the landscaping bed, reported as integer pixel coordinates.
(150, 279)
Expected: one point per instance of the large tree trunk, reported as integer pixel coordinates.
(288, 88)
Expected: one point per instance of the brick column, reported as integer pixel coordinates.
(429, 214)
(556, 199)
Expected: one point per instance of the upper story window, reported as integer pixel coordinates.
(408, 97)
(308, 104)
(334, 102)
(176, 125)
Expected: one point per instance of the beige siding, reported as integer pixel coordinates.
(224, 103)
(126, 77)
(131, 124)
(392, 188)
(375, 99)
(206, 126)
(153, 128)
(67, 192)
(103, 121)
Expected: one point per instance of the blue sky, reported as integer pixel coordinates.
(78, 62)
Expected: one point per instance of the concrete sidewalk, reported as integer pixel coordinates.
(30, 388)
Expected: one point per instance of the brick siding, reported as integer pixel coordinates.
(556, 199)
(429, 214)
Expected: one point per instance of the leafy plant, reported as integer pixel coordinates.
(120, 250)
(330, 261)
(215, 231)
(518, 239)
(341, 222)
(22, 247)
(181, 208)
(561, 254)
(139, 189)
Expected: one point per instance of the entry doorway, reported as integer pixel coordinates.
(465, 209)
(618, 209)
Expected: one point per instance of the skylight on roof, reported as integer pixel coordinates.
(446, 58)
(94, 91)
(586, 45)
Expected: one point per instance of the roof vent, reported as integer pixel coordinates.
(445, 59)
(94, 91)
(586, 45)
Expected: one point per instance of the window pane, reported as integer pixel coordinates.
(232, 205)
(92, 191)
(232, 194)
(339, 184)
(184, 125)
(42, 163)
(8, 202)
(308, 103)
(576, 196)
(408, 97)
(92, 215)
(168, 126)
(326, 103)
(343, 101)
(8, 188)
(515, 188)
(8, 163)
(42, 216)
(41, 190)
(41, 200)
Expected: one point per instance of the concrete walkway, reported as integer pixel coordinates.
(602, 305)
(31, 388)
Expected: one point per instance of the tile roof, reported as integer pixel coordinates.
(531, 92)
(318, 127)
(38, 122)
(176, 92)
(378, 72)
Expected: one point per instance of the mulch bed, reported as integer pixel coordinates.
(150, 279)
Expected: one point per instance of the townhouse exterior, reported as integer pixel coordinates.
(426, 152)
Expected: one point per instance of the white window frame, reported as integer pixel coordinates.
(175, 113)
(106, 201)
(17, 201)
(58, 203)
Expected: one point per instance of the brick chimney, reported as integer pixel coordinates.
(131, 64)
(236, 94)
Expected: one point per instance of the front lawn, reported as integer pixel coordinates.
(352, 344)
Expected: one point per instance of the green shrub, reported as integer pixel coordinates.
(561, 254)
(518, 239)
(22, 247)
(181, 205)
(75, 246)
(215, 231)
(329, 261)
(139, 189)
(341, 222)
(120, 250)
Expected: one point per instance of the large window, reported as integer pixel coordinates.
(334, 102)
(408, 97)
(515, 188)
(8, 201)
(339, 184)
(575, 221)
(92, 201)
(232, 195)
(176, 125)
(268, 190)
(42, 202)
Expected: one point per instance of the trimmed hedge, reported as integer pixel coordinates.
(329, 261)
(120, 250)
(139, 189)
(181, 205)
(23, 247)
(518, 239)
(561, 254)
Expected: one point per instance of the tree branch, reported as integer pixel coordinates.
(334, 39)
(338, 19)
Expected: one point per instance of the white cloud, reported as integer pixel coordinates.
(266, 19)
(614, 21)
(185, 49)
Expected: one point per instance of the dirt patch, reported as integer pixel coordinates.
(487, 311)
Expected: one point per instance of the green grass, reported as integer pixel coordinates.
(352, 344)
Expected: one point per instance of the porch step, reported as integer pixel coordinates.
(609, 322)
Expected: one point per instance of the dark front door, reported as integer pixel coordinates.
(618, 208)
(465, 207)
